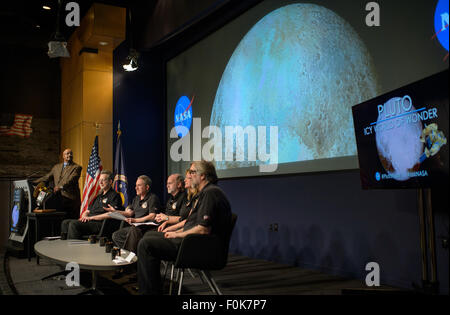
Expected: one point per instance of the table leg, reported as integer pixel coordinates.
(93, 289)
(36, 239)
(29, 244)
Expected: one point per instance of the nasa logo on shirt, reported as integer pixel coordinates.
(105, 200)
(206, 217)
(144, 205)
(174, 206)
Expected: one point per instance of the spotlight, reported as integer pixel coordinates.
(57, 46)
(57, 49)
(131, 63)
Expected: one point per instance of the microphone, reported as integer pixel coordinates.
(34, 173)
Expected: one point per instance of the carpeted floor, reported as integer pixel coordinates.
(242, 276)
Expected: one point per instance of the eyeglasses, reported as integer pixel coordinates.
(192, 172)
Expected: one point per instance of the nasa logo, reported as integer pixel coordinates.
(183, 115)
(441, 23)
(377, 176)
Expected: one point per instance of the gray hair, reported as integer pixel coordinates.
(109, 173)
(146, 180)
(207, 168)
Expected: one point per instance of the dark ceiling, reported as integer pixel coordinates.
(26, 23)
(26, 26)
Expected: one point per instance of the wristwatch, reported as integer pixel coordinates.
(167, 218)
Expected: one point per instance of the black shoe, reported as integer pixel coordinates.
(119, 274)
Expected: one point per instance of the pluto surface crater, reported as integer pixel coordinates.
(301, 68)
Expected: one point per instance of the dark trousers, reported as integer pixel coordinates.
(129, 237)
(75, 229)
(71, 207)
(153, 248)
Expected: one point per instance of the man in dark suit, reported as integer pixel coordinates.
(65, 177)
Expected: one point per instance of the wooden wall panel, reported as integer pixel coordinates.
(87, 86)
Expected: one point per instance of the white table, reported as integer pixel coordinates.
(88, 256)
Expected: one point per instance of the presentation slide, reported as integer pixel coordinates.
(402, 136)
(272, 91)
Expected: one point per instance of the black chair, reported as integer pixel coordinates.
(109, 226)
(205, 253)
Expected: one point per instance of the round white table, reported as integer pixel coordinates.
(88, 256)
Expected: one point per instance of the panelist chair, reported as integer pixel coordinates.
(205, 253)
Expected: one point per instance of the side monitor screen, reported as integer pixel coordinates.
(18, 211)
(402, 136)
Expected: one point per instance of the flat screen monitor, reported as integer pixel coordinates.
(18, 211)
(402, 136)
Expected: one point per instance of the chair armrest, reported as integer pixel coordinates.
(200, 251)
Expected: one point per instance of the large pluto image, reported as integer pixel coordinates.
(398, 141)
(301, 68)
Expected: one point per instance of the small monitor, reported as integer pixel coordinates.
(18, 211)
(402, 136)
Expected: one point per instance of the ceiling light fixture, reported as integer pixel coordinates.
(57, 46)
(131, 63)
(46, 7)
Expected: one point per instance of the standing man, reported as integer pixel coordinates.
(210, 215)
(92, 219)
(65, 177)
(144, 208)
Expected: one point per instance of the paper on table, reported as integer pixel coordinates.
(146, 223)
(120, 260)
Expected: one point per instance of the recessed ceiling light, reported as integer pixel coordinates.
(103, 43)
(46, 7)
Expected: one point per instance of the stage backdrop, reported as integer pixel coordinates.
(325, 220)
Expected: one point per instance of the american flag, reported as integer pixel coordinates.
(21, 126)
(91, 184)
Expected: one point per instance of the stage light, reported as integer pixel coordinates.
(131, 63)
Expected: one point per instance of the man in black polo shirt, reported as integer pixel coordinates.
(177, 197)
(144, 208)
(92, 219)
(210, 215)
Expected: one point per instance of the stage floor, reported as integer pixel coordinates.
(242, 276)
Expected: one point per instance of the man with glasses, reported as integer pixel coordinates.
(210, 215)
(92, 219)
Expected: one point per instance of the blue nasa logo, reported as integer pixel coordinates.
(441, 22)
(377, 176)
(183, 116)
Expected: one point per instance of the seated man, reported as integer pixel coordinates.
(210, 215)
(144, 208)
(92, 219)
(176, 222)
(177, 199)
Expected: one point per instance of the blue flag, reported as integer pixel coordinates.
(120, 180)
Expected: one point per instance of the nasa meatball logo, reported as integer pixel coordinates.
(441, 23)
(377, 176)
(183, 116)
